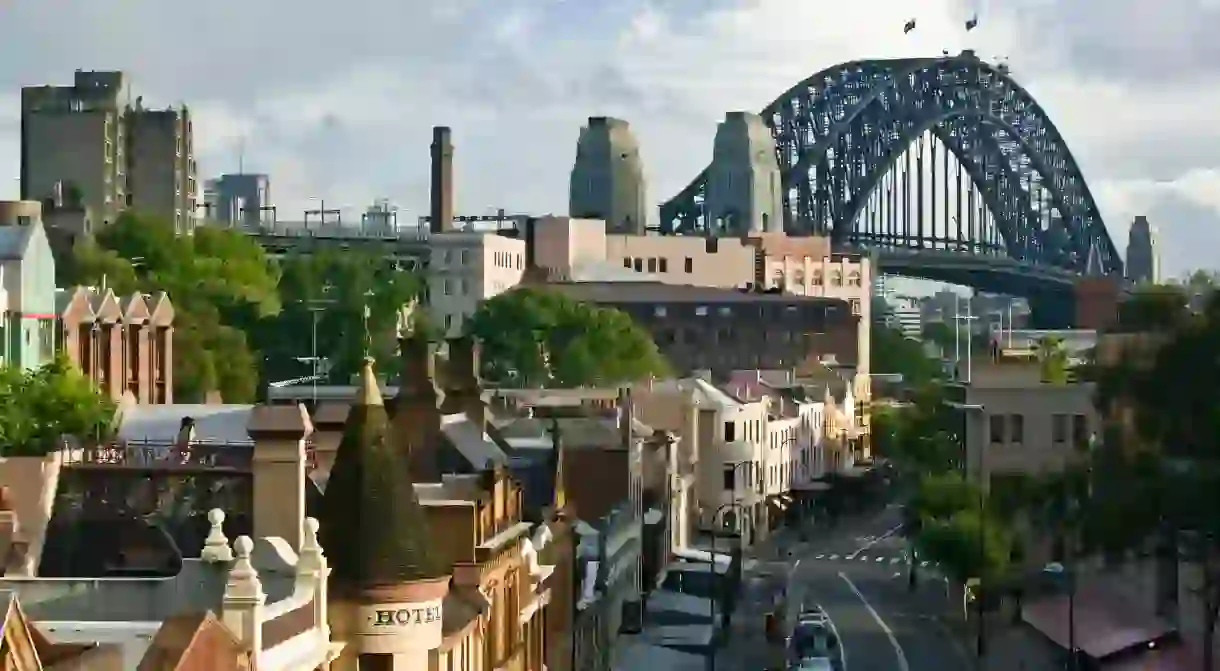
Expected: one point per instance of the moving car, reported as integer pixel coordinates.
(814, 644)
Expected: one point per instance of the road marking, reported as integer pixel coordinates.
(889, 633)
(819, 556)
(842, 646)
(880, 559)
(863, 558)
(895, 560)
(876, 540)
(833, 557)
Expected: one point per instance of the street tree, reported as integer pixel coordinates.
(352, 301)
(892, 352)
(968, 544)
(38, 408)
(919, 436)
(541, 337)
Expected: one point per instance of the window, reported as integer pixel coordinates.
(627, 262)
(463, 286)
(689, 265)
(374, 662)
(1016, 429)
(997, 428)
(855, 306)
(663, 265)
(730, 478)
(652, 265)
(638, 264)
(1059, 428)
(465, 257)
(700, 310)
(730, 432)
(1080, 429)
(725, 311)
(659, 311)
(448, 288)
(448, 322)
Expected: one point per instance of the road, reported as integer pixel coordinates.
(858, 574)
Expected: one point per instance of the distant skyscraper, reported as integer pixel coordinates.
(1143, 262)
(238, 199)
(608, 177)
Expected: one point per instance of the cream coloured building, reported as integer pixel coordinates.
(465, 268)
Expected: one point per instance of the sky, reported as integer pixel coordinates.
(336, 100)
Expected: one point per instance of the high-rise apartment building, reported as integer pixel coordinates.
(87, 145)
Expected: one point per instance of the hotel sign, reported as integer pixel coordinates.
(399, 627)
(402, 617)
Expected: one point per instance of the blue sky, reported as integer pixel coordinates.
(336, 100)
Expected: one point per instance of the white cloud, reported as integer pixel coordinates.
(337, 101)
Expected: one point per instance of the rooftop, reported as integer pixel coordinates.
(656, 292)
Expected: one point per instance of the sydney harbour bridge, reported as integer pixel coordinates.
(864, 151)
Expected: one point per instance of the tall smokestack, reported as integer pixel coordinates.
(442, 180)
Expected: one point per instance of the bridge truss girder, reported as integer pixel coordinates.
(839, 132)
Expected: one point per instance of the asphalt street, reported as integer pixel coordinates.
(858, 574)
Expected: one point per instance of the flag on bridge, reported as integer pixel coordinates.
(908, 27)
(972, 23)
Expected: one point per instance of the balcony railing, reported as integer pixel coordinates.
(161, 456)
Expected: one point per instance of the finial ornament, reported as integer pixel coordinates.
(216, 546)
(243, 578)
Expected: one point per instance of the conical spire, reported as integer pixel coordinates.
(373, 528)
(369, 391)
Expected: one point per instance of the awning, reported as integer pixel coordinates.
(1104, 622)
(813, 487)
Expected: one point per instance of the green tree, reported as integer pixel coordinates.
(541, 337)
(1156, 307)
(941, 334)
(40, 407)
(1053, 361)
(221, 284)
(335, 289)
(892, 352)
(968, 544)
(919, 436)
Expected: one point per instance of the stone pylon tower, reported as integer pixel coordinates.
(387, 584)
(743, 182)
(608, 177)
(1143, 262)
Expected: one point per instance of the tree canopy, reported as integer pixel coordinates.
(950, 523)
(918, 436)
(541, 337)
(221, 284)
(39, 407)
(1053, 364)
(336, 288)
(892, 352)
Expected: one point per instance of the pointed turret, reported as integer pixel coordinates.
(373, 526)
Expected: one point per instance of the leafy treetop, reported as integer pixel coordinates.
(540, 337)
(39, 407)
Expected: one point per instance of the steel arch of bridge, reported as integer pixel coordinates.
(840, 131)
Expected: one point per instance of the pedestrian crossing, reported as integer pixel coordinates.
(885, 559)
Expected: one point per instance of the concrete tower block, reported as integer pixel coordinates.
(743, 194)
(608, 177)
(1143, 262)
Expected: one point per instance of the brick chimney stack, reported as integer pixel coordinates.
(464, 391)
(417, 413)
(441, 214)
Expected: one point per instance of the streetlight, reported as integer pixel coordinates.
(958, 318)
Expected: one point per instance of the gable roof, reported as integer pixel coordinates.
(72, 305)
(162, 311)
(373, 525)
(182, 638)
(134, 308)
